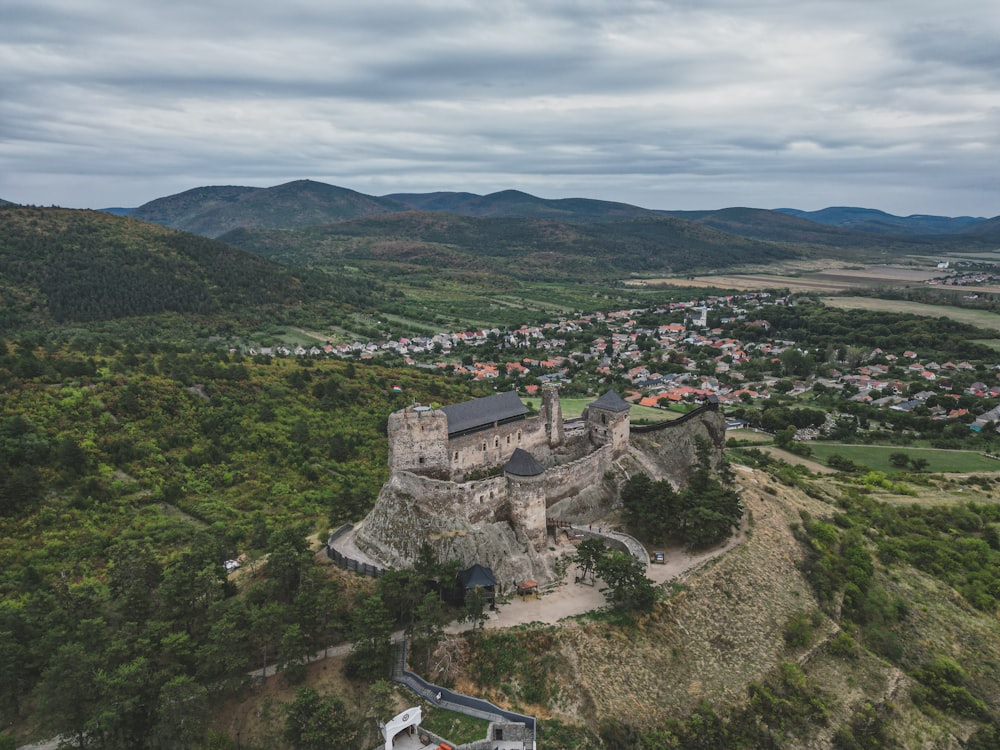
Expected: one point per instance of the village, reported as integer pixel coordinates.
(679, 355)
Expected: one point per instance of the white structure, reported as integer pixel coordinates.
(411, 717)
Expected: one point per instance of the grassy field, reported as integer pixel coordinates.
(572, 408)
(812, 279)
(455, 727)
(877, 457)
(751, 436)
(980, 318)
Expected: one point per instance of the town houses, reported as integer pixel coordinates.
(680, 353)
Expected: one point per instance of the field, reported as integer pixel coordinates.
(828, 280)
(877, 457)
(979, 318)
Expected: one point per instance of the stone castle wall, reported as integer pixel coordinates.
(493, 446)
(500, 521)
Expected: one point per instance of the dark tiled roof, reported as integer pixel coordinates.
(523, 464)
(611, 401)
(477, 575)
(481, 412)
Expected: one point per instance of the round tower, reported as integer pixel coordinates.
(526, 493)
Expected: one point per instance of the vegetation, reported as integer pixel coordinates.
(130, 477)
(702, 514)
(139, 456)
(65, 267)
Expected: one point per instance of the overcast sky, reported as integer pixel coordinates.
(890, 104)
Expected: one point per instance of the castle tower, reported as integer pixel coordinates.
(608, 422)
(526, 493)
(418, 441)
(552, 413)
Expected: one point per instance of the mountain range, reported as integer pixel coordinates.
(215, 210)
(234, 251)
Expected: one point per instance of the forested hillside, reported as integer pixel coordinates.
(128, 477)
(514, 247)
(213, 211)
(61, 266)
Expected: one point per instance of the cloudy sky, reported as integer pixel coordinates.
(890, 104)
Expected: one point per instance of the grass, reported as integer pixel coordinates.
(572, 408)
(455, 727)
(877, 457)
(979, 318)
(750, 436)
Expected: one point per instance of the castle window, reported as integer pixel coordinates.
(456, 455)
(508, 440)
(604, 419)
(519, 436)
(421, 459)
(496, 442)
(484, 446)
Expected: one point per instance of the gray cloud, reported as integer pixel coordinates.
(889, 104)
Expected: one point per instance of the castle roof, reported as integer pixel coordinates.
(478, 413)
(610, 401)
(523, 464)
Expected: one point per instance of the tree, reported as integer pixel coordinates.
(182, 714)
(475, 607)
(588, 554)
(402, 591)
(68, 711)
(431, 618)
(370, 632)
(899, 460)
(315, 722)
(293, 652)
(649, 506)
(626, 581)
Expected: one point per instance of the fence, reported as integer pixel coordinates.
(349, 563)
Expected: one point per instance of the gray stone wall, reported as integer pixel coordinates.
(418, 441)
(493, 447)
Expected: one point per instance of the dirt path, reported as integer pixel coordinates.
(570, 598)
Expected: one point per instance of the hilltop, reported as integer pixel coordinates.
(213, 211)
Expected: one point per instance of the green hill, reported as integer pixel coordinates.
(520, 248)
(879, 222)
(509, 203)
(213, 211)
(64, 266)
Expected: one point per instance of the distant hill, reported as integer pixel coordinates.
(872, 221)
(985, 231)
(6, 203)
(511, 203)
(65, 266)
(775, 226)
(522, 248)
(118, 211)
(213, 211)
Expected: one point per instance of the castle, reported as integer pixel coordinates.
(482, 480)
